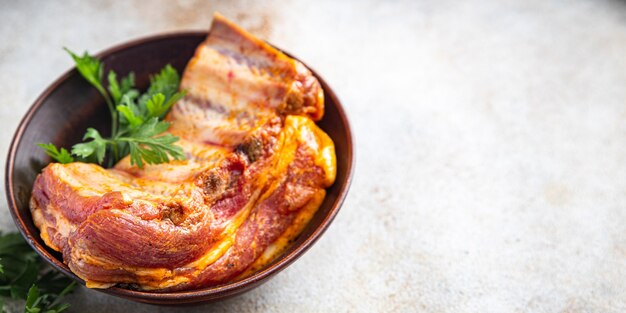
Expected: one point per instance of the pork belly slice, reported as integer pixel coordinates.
(204, 232)
(236, 82)
(256, 171)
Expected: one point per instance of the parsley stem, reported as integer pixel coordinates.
(112, 110)
(114, 158)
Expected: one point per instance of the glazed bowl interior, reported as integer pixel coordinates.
(70, 105)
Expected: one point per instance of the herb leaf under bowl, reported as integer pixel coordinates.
(23, 276)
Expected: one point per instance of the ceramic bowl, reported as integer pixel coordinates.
(64, 111)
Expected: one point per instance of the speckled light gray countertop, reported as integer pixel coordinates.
(490, 138)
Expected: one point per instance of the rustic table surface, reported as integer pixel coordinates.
(490, 139)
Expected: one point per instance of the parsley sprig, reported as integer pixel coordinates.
(61, 155)
(24, 276)
(136, 125)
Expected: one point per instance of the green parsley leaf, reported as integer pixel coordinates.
(32, 300)
(62, 156)
(146, 146)
(165, 82)
(46, 303)
(114, 87)
(90, 68)
(128, 83)
(129, 115)
(118, 89)
(25, 277)
(96, 147)
(157, 106)
(128, 101)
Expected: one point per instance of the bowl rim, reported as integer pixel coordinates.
(187, 296)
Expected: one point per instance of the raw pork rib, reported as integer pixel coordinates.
(256, 171)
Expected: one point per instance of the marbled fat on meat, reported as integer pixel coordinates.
(256, 171)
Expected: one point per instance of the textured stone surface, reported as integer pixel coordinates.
(491, 151)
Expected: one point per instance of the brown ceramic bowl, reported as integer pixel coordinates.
(70, 105)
